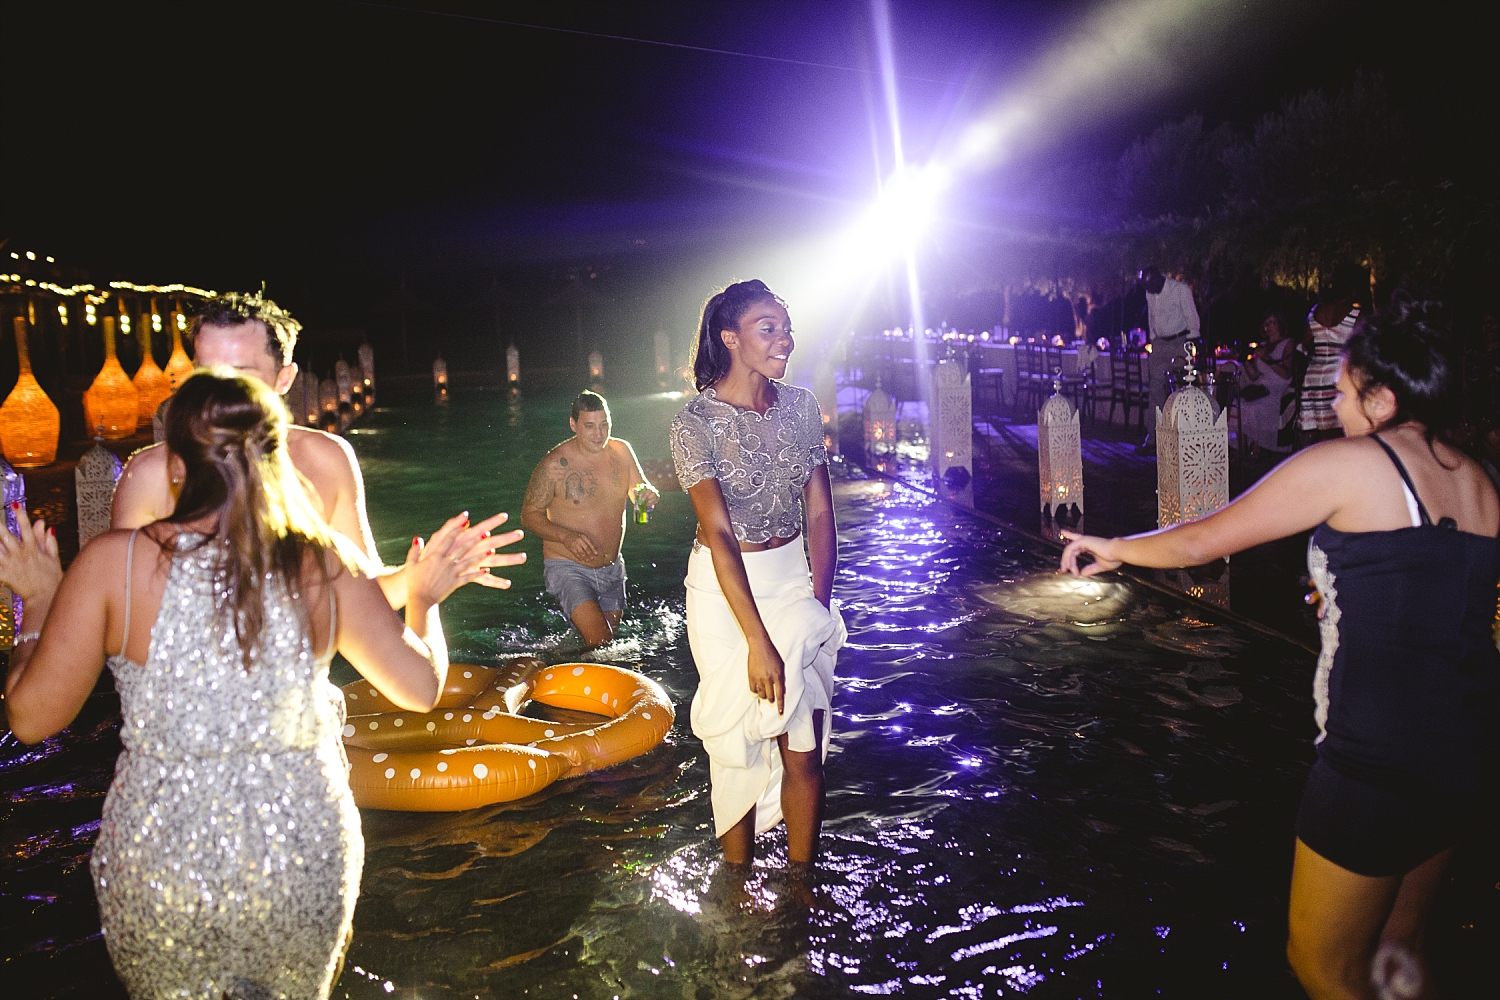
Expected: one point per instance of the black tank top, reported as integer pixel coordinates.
(1408, 681)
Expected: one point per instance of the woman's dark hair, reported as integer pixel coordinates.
(723, 311)
(1405, 348)
(230, 434)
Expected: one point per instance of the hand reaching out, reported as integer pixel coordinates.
(29, 565)
(460, 553)
(1099, 548)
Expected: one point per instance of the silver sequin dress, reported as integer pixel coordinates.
(229, 856)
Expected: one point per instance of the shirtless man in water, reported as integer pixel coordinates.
(255, 337)
(576, 501)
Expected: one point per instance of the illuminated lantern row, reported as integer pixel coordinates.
(826, 389)
(29, 421)
(111, 405)
(1059, 454)
(1192, 457)
(328, 400)
(151, 384)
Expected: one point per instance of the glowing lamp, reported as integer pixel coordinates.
(156, 322)
(1014, 341)
(512, 365)
(1059, 454)
(94, 478)
(62, 312)
(596, 365)
(343, 378)
(1192, 456)
(367, 366)
(880, 422)
(151, 383)
(178, 366)
(953, 421)
(125, 324)
(28, 420)
(90, 314)
(440, 374)
(111, 405)
(663, 356)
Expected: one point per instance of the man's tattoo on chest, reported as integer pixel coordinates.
(578, 485)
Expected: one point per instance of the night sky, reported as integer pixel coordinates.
(330, 148)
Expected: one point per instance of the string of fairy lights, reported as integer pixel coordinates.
(93, 296)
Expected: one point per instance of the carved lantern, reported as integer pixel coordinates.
(328, 404)
(10, 604)
(880, 423)
(111, 405)
(151, 383)
(1059, 454)
(28, 420)
(367, 368)
(512, 365)
(357, 388)
(440, 374)
(663, 357)
(95, 477)
(952, 423)
(1192, 457)
(179, 367)
(596, 365)
(827, 391)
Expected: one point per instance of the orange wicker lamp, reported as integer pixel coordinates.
(178, 365)
(112, 402)
(151, 384)
(28, 420)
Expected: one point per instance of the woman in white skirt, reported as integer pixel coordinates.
(765, 634)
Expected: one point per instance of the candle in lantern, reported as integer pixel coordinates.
(111, 405)
(28, 419)
(596, 364)
(512, 365)
(440, 374)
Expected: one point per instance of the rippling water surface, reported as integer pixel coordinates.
(1036, 785)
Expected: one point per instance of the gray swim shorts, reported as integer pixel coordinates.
(573, 583)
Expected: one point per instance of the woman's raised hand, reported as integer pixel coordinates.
(29, 564)
(768, 675)
(460, 553)
(1099, 548)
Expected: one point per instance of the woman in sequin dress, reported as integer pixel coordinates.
(229, 855)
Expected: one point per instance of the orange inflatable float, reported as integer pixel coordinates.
(475, 748)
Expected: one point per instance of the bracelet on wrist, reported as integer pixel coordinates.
(27, 637)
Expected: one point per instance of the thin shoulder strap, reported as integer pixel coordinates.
(1405, 478)
(129, 559)
(333, 622)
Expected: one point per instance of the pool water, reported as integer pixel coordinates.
(1037, 785)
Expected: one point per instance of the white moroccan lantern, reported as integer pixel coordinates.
(343, 377)
(512, 365)
(827, 391)
(596, 365)
(663, 357)
(94, 478)
(367, 366)
(1059, 454)
(952, 424)
(1192, 457)
(880, 423)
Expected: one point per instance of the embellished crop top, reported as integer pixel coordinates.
(761, 462)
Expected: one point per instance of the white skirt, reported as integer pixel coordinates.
(738, 729)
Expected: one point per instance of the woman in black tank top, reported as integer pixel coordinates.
(1406, 559)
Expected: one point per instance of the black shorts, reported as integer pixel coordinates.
(1370, 830)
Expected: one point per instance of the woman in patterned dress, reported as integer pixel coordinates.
(1329, 326)
(229, 854)
(764, 631)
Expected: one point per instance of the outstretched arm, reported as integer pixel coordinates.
(766, 672)
(1298, 495)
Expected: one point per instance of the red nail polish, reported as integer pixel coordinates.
(416, 540)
